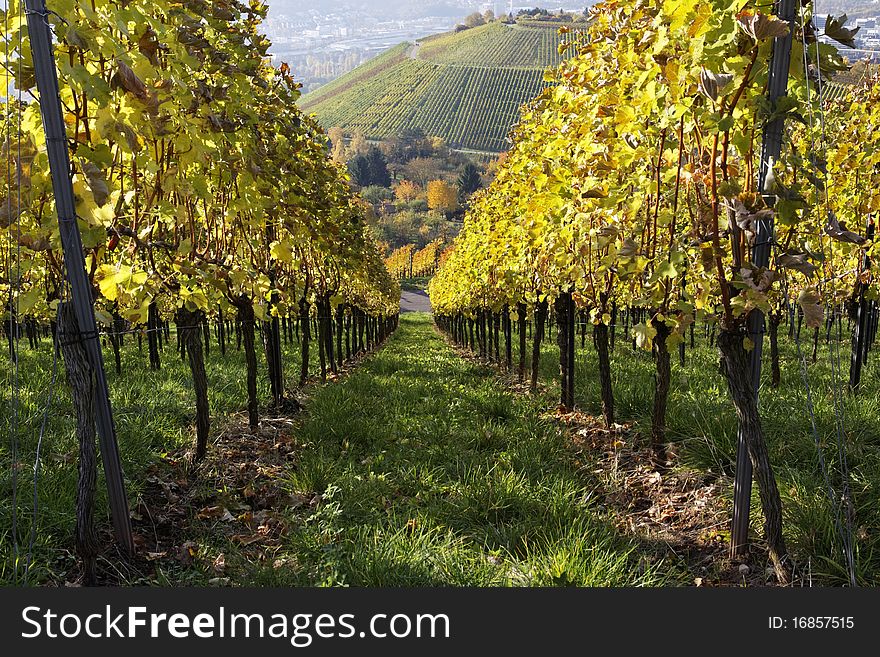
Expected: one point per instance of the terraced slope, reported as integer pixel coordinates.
(495, 45)
(465, 87)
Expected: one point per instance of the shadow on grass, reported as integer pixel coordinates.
(431, 473)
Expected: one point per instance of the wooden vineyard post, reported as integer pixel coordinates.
(861, 315)
(40, 35)
(770, 150)
(565, 337)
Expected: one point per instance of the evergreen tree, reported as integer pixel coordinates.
(359, 168)
(377, 166)
(469, 181)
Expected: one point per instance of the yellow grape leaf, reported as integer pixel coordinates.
(677, 12)
(281, 251)
(698, 25)
(109, 279)
(644, 335)
(29, 300)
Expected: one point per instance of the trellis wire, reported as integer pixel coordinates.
(14, 294)
(834, 350)
(49, 399)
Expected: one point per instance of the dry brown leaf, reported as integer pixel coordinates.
(212, 512)
(838, 231)
(811, 304)
(247, 539)
(127, 79)
(761, 26)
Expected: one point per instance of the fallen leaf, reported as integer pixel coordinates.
(215, 512)
(297, 500)
(188, 552)
(247, 539)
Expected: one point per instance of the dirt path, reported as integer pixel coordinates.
(415, 301)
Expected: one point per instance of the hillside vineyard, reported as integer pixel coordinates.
(465, 87)
(203, 194)
(634, 182)
(370, 364)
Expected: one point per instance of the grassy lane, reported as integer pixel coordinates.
(701, 427)
(154, 413)
(431, 473)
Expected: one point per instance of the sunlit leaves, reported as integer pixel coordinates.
(195, 175)
(644, 334)
(664, 114)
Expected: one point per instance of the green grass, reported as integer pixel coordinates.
(465, 87)
(702, 423)
(430, 472)
(416, 283)
(154, 414)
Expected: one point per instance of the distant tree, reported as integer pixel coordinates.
(412, 135)
(359, 168)
(337, 144)
(376, 195)
(414, 143)
(474, 20)
(421, 169)
(419, 205)
(358, 145)
(442, 197)
(378, 167)
(407, 191)
(439, 147)
(469, 181)
(537, 12)
(488, 16)
(392, 149)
